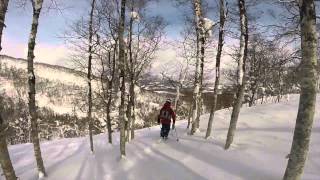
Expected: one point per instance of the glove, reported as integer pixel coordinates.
(173, 126)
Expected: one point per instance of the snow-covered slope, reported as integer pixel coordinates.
(262, 141)
(50, 72)
(64, 90)
(56, 85)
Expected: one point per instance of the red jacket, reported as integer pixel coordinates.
(166, 114)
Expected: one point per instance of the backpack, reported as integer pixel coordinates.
(165, 114)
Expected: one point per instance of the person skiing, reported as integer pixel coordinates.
(165, 116)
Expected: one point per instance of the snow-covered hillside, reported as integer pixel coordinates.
(58, 88)
(61, 98)
(58, 84)
(262, 142)
(51, 72)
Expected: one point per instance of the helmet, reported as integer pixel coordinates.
(168, 100)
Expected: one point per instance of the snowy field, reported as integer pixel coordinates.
(262, 141)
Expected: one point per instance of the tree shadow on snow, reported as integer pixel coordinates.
(161, 166)
(239, 169)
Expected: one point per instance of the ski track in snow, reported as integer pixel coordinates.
(262, 141)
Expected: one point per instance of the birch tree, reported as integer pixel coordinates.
(308, 74)
(241, 72)
(122, 67)
(37, 6)
(3, 11)
(131, 103)
(89, 78)
(199, 66)
(223, 15)
(5, 160)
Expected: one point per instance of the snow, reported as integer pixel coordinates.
(208, 24)
(43, 71)
(262, 141)
(135, 16)
(41, 175)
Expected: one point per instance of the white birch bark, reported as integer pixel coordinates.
(308, 76)
(122, 118)
(37, 6)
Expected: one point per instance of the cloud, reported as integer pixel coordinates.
(46, 53)
(51, 54)
(13, 48)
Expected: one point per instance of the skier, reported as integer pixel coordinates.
(165, 116)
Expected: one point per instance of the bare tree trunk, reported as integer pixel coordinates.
(218, 58)
(37, 5)
(199, 66)
(130, 111)
(133, 114)
(110, 90)
(241, 73)
(202, 55)
(3, 11)
(5, 160)
(189, 116)
(176, 101)
(304, 121)
(108, 115)
(122, 78)
(89, 113)
(252, 98)
(131, 76)
(279, 95)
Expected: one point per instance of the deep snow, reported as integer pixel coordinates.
(262, 141)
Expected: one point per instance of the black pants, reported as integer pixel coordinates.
(165, 130)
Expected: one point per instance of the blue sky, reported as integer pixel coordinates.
(51, 49)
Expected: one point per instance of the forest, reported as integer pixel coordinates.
(86, 87)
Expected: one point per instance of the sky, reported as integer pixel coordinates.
(51, 48)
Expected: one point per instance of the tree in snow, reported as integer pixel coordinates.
(89, 78)
(84, 38)
(5, 161)
(196, 45)
(308, 73)
(241, 72)
(107, 51)
(270, 67)
(3, 11)
(223, 15)
(200, 33)
(37, 6)
(144, 36)
(134, 16)
(122, 60)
